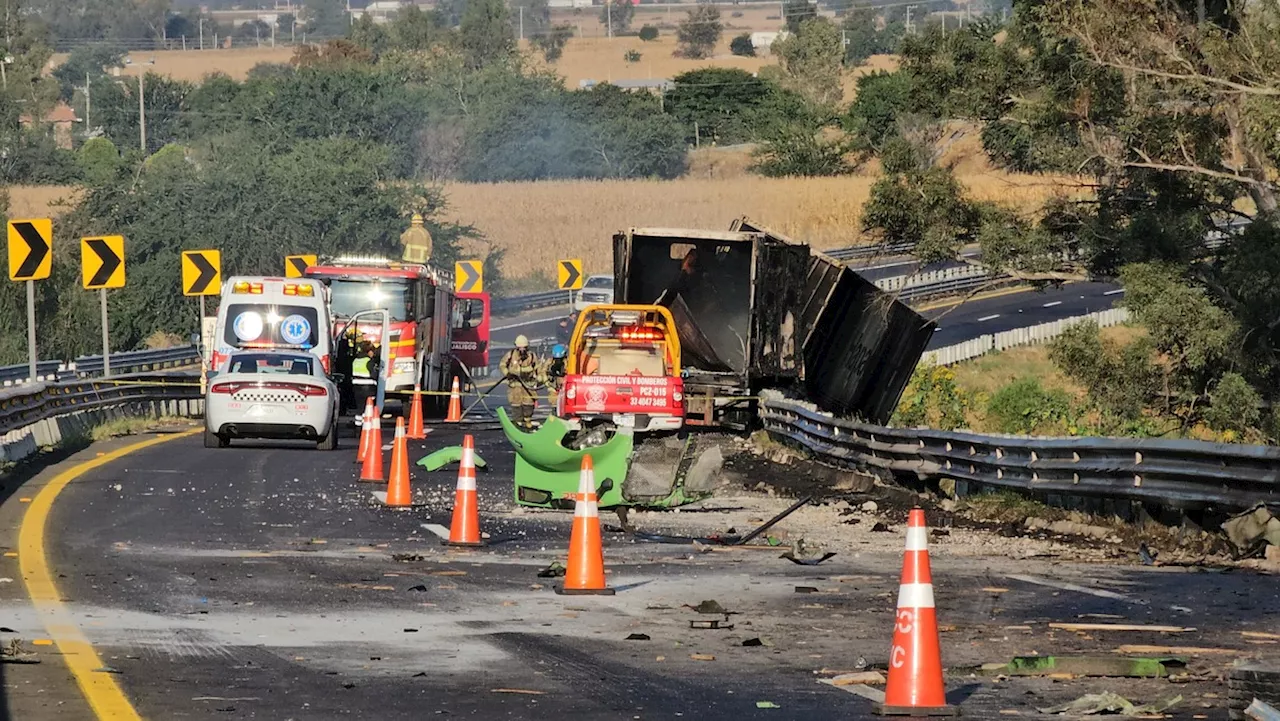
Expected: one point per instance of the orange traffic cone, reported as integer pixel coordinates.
(372, 468)
(914, 687)
(585, 575)
(465, 528)
(398, 494)
(366, 423)
(416, 430)
(455, 404)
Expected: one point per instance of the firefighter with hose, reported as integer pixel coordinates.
(520, 368)
(553, 372)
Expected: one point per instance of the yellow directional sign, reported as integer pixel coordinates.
(295, 266)
(201, 272)
(468, 276)
(30, 249)
(102, 262)
(569, 274)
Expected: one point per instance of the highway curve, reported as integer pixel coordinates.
(260, 582)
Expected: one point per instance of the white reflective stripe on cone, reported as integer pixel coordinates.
(586, 508)
(917, 539)
(915, 595)
(467, 482)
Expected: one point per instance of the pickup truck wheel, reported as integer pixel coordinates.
(330, 442)
(213, 440)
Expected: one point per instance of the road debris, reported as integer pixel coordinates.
(766, 704)
(807, 561)
(1146, 555)
(523, 691)
(1260, 710)
(757, 642)
(710, 606)
(1111, 703)
(1120, 627)
(555, 570)
(1176, 650)
(857, 677)
(1073, 666)
(1253, 529)
(1261, 635)
(714, 624)
(637, 637)
(702, 657)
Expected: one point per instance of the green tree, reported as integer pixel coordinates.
(535, 16)
(924, 206)
(800, 149)
(1234, 405)
(812, 60)
(882, 98)
(864, 38)
(727, 104)
(326, 18)
(741, 46)
(99, 161)
(552, 42)
(85, 64)
(617, 15)
(486, 33)
(1121, 380)
(648, 33)
(698, 34)
(1025, 407)
(416, 29)
(795, 12)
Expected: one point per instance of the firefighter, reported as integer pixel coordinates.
(520, 369)
(553, 372)
(345, 368)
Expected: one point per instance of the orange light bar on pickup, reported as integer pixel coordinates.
(640, 334)
(247, 287)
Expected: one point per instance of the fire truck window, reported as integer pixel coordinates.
(468, 313)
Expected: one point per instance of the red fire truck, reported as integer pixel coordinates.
(423, 311)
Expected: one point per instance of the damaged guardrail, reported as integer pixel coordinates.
(87, 366)
(36, 414)
(1190, 475)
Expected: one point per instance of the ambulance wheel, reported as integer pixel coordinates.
(213, 440)
(330, 442)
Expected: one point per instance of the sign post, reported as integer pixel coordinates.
(295, 266)
(102, 267)
(30, 259)
(569, 277)
(201, 276)
(468, 276)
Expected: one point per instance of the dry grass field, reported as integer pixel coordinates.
(536, 223)
(193, 65)
(602, 59)
(41, 201)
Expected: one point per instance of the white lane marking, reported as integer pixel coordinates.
(1113, 292)
(1099, 592)
(1050, 305)
(437, 529)
(988, 317)
(935, 330)
(553, 319)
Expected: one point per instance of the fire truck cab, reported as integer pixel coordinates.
(419, 301)
(623, 368)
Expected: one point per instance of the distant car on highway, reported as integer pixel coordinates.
(271, 394)
(597, 290)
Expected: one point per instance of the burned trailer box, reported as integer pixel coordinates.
(734, 297)
(860, 344)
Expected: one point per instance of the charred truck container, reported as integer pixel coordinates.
(755, 310)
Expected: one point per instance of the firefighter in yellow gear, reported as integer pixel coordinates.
(520, 367)
(552, 373)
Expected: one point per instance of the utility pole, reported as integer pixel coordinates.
(142, 113)
(910, 28)
(522, 23)
(202, 33)
(88, 105)
(608, 10)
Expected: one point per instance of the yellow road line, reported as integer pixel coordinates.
(100, 689)
(980, 296)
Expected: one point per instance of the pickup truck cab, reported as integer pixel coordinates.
(623, 369)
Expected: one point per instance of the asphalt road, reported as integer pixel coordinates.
(261, 582)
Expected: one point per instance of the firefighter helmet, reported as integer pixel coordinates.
(558, 351)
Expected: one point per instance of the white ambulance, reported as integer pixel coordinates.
(280, 313)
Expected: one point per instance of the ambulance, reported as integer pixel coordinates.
(272, 313)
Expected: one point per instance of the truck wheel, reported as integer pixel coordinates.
(330, 442)
(213, 440)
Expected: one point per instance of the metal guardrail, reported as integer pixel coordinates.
(91, 366)
(887, 250)
(27, 405)
(1172, 473)
(529, 301)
